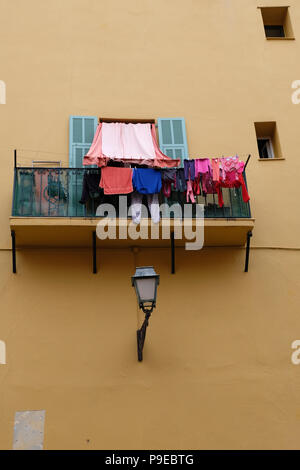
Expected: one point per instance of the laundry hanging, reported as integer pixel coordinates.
(90, 186)
(231, 176)
(147, 180)
(116, 180)
(198, 177)
(204, 176)
(136, 207)
(168, 178)
(130, 143)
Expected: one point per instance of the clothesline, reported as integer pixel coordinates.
(201, 155)
(25, 159)
(226, 154)
(31, 160)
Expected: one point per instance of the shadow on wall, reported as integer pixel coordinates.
(2, 353)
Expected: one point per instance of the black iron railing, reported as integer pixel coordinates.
(57, 192)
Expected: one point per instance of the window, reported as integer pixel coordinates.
(277, 22)
(267, 140)
(82, 130)
(172, 137)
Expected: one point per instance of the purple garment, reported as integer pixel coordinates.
(180, 180)
(168, 175)
(189, 169)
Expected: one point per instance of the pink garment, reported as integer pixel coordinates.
(130, 143)
(232, 168)
(215, 163)
(202, 165)
(189, 191)
(95, 153)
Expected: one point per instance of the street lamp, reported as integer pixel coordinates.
(145, 282)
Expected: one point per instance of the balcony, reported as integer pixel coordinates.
(47, 212)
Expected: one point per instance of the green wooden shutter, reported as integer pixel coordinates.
(82, 131)
(172, 137)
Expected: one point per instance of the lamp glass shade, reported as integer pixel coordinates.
(145, 282)
(146, 289)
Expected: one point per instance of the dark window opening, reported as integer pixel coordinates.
(264, 148)
(274, 31)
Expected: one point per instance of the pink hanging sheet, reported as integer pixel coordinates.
(129, 143)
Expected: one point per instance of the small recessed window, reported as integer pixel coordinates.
(277, 22)
(267, 137)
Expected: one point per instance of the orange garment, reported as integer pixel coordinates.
(116, 180)
(215, 169)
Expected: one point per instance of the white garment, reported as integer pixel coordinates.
(123, 141)
(136, 207)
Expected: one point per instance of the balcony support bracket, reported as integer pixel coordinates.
(249, 235)
(13, 244)
(95, 270)
(172, 253)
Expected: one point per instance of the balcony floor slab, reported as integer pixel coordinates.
(77, 232)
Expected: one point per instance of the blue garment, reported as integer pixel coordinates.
(146, 180)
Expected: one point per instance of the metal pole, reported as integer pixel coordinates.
(249, 235)
(247, 161)
(173, 253)
(13, 240)
(141, 336)
(94, 253)
(14, 209)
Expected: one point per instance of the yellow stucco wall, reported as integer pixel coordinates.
(217, 371)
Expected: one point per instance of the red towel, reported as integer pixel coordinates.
(116, 180)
